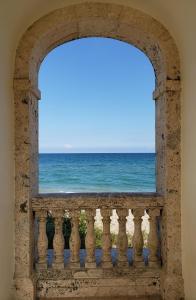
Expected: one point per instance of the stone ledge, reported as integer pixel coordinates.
(102, 287)
(97, 200)
(107, 298)
(99, 273)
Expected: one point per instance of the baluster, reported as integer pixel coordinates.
(75, 239)
(106, 238)
(58, 242)
(138, 241)
(153, 240)
(90, 239)
(122, 241)
(42, 241)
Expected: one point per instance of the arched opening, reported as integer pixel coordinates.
(162, 280)
(96, 118)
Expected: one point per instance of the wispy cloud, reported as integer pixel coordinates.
(67, 146)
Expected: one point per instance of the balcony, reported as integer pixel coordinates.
(94, 272)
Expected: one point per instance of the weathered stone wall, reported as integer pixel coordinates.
(132, 26)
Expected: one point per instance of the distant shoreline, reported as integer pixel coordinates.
(97, 153)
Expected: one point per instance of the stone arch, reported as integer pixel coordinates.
(97, 19)
(134, 27)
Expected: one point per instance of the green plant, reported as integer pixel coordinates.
(66, 231)
(114, 239)
(145, 238)
(50, 231)
(82, 228)
(98, 237)
(130, 240)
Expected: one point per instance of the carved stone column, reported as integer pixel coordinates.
(26, 184)
(138, 237)
(122, 241)
(42, 241)
(106, 239)
(75, 239)
(153, 240)
(58, 242)
(168, 97)
(90, 239)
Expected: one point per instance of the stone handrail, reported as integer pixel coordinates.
(97, 200)
(71, 205)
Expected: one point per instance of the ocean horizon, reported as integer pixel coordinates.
(96, 172)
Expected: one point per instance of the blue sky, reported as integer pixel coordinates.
(96, 97)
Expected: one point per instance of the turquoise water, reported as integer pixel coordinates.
(97, 172)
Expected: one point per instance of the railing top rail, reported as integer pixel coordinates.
(97, 200)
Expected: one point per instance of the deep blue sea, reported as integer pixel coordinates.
(97, 172)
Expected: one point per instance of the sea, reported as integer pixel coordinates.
(96, 172)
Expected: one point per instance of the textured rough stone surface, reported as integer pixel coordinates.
(107, 298)
(144, 32)
(99, 283)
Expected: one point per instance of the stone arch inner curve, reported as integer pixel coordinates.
(97, 19)
(136, 28)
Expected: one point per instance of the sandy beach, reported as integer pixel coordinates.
(114, 227)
